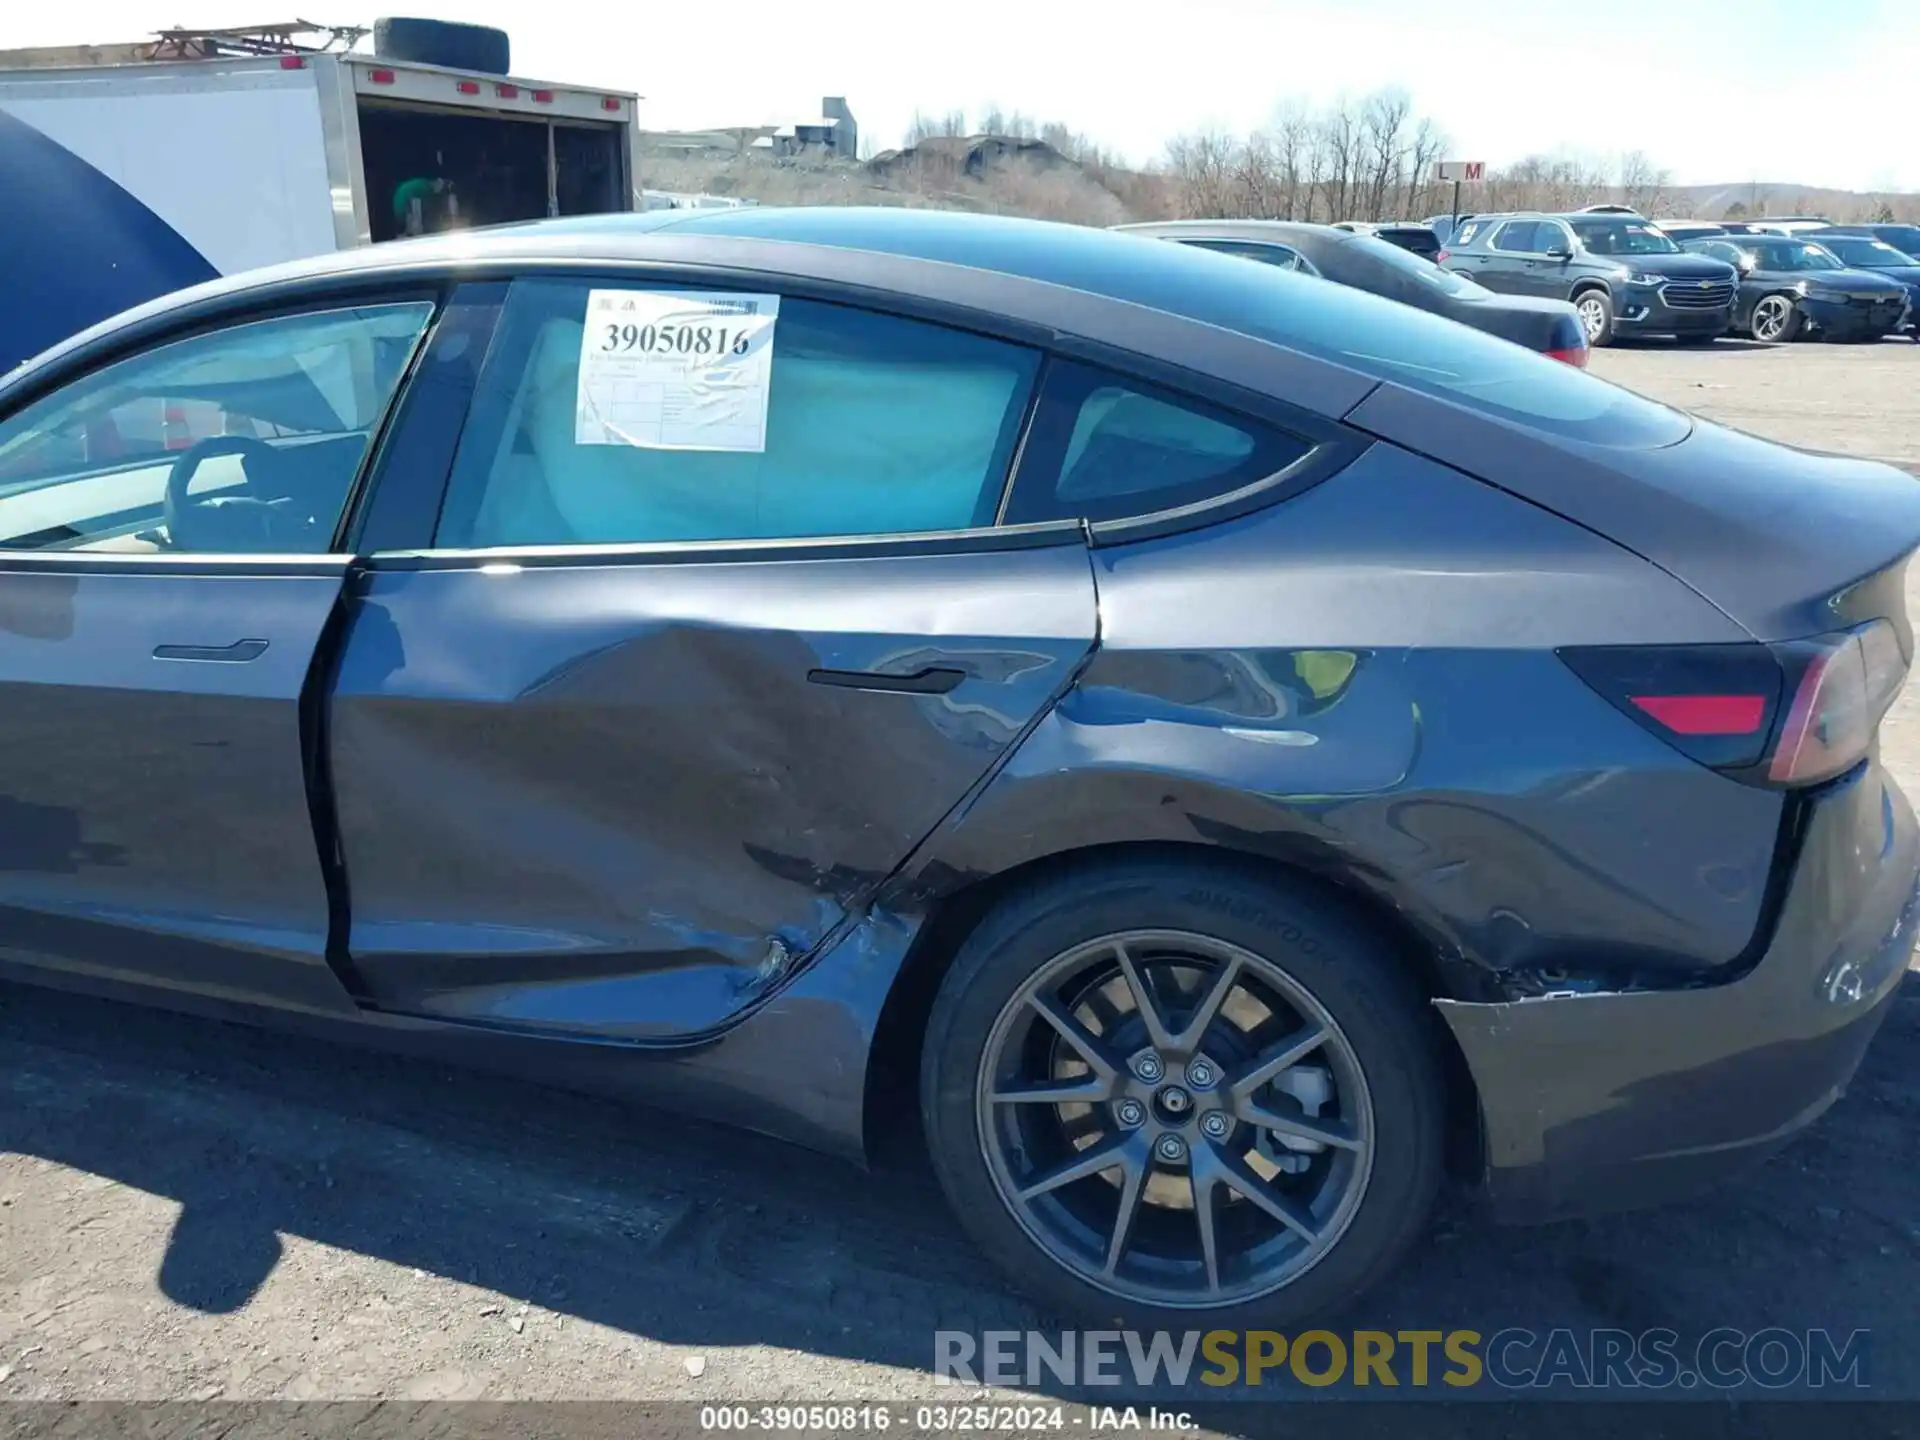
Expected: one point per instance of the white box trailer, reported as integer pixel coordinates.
(116, 176)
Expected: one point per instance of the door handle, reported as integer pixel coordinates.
(238, 653)
(932, 680)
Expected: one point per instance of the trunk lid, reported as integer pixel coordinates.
(1538, 324)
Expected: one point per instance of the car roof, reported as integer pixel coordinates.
(1284, 231)
(1103, 263)
(1045, 276)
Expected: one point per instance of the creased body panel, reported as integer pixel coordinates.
(1362, 682)
(611, 798)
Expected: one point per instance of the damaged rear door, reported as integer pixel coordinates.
(660, 707)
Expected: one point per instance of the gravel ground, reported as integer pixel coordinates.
(194, 1210)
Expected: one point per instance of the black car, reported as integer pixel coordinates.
(1791, 286)
(1419, 240)
(1367, 262)
(1681, 231)
(1904, 238)
(1218, 744)
(1443, 226)
(1863, 252)
(1620, 272)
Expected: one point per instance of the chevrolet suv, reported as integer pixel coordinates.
(1622, 274)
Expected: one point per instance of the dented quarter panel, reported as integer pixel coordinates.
(604, 797)
(1379, 701)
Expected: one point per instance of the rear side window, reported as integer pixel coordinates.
(1418, 241)
(1107, 448)
(1468, 232)
(870, 424)
(1278, 255)
(1517, 235)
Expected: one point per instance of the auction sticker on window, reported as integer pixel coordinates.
(676, 370)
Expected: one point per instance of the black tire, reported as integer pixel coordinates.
(1330, 952)
(443, 42)
(1596, 316)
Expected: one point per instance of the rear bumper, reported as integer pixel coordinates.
(1601, 1102)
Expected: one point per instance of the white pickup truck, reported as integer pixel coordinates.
(132, 170)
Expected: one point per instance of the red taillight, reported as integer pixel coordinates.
(543, 97)
(468, 87)
(1576, 357)
(1706, 714)
(507, 92)
(293, 62)
(1441, 258)
(380, 77)
(1723, 705)
(609, 102)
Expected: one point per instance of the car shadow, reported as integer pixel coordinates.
(664, 1228)
(1725, 345)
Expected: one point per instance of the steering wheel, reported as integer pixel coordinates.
(224, 521)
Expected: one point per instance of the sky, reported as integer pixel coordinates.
(1715, 91)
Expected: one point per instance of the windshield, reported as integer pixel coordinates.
(1623, 237)
(1796, 255)
(1385, 252)
(1868, 254)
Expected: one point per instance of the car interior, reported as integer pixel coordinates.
(244, 441)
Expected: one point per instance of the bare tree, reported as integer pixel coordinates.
(1340, 134)
(1642, 184)
(1423, 153)
(1292, 133)
(1203, 166)
(1383, 122)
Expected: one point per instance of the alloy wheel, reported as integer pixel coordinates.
(1593, 318)
(1770, 318)
(1174, 1119)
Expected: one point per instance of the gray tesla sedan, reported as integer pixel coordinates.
(1223, 747)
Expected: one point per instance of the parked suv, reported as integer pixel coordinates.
(1622, 274)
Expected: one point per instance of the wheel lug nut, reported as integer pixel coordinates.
(1215, 1124)
(1148, 1066)
(1201, 1074)
(1131, 1112)
(1172, 1147)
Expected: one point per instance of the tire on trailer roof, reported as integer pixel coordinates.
(443, 42)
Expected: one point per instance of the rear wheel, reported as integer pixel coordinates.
(1596, 316)
(1164, 1094)
(1776, 320)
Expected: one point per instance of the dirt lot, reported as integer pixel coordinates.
(194, 1210)
(1852, 399)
